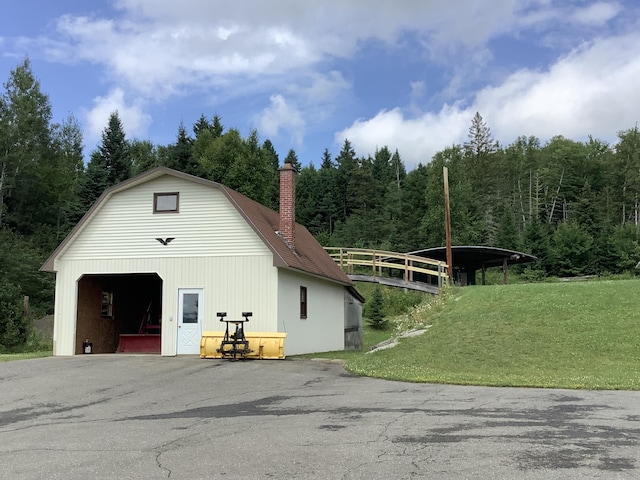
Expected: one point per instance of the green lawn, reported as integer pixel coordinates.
(562, 335)
(6, 357)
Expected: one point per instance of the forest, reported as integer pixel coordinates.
(573, 204)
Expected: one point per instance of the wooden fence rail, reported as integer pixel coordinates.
(377, 260)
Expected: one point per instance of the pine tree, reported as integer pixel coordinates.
(110, 163)
(347, 164)
(326, 163)
(480, 141)
(375, 311)
(292, 158)
(202, 126)
(216, 128)
(507, 234)
(66, 174)
(179, 156)
(271, 160)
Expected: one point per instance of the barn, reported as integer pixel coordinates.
(153, 260)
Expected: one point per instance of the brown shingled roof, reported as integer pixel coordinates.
(308, 257)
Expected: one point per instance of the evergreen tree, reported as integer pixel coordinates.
(216, 127)
(328, 197)
(572, 247)
(536, 242)
(13, 327)
(202, 126)
(480, 141)
(507, 234)
(375, 311)
(308, 198)
(110, 163)
(65, 176)
(326, 163)
(272, 162)
(179, 156)
(413, 207)
(381, 165)
(114, 151)
(292, 158)
(347, 164)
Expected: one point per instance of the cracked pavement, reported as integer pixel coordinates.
(148, 417)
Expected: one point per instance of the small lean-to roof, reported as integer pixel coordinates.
(308, 257)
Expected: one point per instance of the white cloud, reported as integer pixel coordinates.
(161, 47)
(281, 115)
(591, 91)
(417, 139)
(134, 121)
(154, 50)
(597, 13)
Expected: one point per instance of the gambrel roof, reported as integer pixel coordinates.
(307, 257)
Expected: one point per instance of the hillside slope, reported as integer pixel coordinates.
(563, 335)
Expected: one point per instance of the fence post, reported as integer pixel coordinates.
(406, 268)
(373, 262)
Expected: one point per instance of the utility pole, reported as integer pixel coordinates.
(447, 224)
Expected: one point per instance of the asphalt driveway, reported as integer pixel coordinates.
(147, 417)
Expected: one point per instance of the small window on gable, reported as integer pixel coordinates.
(303, 302)
(166, 202)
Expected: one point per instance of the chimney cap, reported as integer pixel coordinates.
(288, 166)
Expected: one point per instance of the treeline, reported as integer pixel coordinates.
(572, 204)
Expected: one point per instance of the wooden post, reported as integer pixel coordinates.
(406, 268)
(484, 271)
(373, 262)
(25, 305)
(447, 223)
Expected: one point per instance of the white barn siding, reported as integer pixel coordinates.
(126, 227)
(64, 325)
(323, 329)
(231, 284)
(214, 248)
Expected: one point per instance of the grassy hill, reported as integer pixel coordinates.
(563, 335)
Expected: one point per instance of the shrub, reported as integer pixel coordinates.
(13, 327)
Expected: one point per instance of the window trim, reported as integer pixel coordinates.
(166, 194)
(303, 302)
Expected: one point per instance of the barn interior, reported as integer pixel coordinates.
(119, 313)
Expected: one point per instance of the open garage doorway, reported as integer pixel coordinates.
(119, 312)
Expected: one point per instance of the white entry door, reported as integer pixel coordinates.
(190, 316)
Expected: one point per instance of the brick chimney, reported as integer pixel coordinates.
(288, 204)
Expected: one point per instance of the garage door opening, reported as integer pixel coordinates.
(112, 310)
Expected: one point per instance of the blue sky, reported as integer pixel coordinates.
(408, 74)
